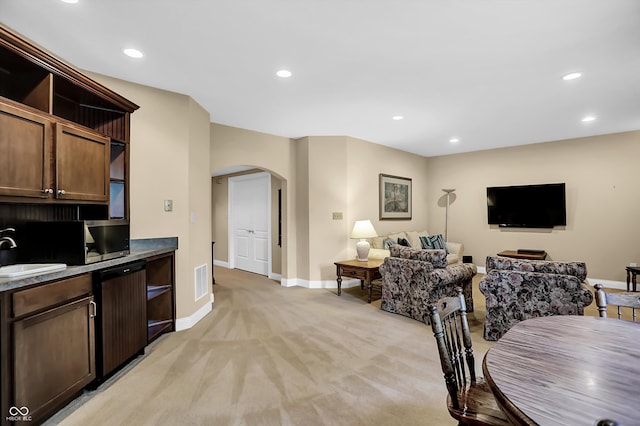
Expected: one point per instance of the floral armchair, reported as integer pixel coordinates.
(516, 290)
(413, 279)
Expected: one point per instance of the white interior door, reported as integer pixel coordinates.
(250, 222)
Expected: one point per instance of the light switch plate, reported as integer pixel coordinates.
(337, 216)
(168, 205)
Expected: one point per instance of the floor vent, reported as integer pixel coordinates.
(201, 280)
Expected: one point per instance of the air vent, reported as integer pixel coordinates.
(200, 274)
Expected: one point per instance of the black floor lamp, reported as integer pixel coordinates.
(446, 218)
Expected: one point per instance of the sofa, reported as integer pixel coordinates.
(418, 240)
(413, 279)
(517, 289)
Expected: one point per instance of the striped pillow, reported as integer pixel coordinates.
(433, 242)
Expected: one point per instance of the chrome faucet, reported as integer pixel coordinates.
(8, 240)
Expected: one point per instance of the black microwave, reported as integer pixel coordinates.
(77, 242)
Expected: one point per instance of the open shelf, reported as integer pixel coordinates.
(160, 295)
(23, 81)
(156, 290)
(156, 328)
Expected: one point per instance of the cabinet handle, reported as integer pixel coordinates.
(94, 309)
(48, 191)
(61, 192)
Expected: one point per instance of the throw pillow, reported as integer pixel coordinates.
(388, 242)
(433, 242)
(404, 242)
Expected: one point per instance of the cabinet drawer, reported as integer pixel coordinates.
(37, 298)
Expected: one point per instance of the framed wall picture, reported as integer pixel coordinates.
(395, 198)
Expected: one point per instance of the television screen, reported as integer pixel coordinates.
(527, 206)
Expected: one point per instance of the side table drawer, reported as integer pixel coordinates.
(353, 273)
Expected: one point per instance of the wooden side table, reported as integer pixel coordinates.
(632, 271)
(514, 254)
(367, 272)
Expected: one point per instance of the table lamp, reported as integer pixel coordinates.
(363, 229)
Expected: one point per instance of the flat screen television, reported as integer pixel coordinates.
(527, 206)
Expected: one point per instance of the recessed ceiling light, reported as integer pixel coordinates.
(398, 117)
(70, 1)
(588, 118)
(454, 140)
(133, 53)
(572, 76)
(284, 73)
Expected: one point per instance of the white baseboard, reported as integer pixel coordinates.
(620, 285)
(190, 321)
(275, 277)
(221, 263)
(293, 282)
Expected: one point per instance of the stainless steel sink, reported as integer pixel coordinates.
(19, 270)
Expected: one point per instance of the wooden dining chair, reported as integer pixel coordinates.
(625, 299)
(470, 400)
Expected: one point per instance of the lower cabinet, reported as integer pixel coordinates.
(53, 355)
(60, 337)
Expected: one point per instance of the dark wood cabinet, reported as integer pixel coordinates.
(52, 341)
(82, 164)
(77, 169)
(25, 147)
(161, 306)
(57, 130)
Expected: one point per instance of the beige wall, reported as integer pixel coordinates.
(340, 174)
(603, 204)
(231, 146)
(170, 160)
(321, 175)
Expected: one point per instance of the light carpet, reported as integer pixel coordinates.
(270, 355)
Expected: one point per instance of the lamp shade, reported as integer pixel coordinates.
(363, 229)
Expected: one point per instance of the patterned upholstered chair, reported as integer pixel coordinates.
(516, 290)
(413, 279)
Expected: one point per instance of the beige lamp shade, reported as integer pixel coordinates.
(363, 229)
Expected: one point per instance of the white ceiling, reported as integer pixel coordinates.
(485, 71)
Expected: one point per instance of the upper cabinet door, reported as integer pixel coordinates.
(82, 164)
(25, 144)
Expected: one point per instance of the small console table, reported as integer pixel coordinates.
(632, 271)
(365, 271)
(524, 254)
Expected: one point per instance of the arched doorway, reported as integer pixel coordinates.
(222, 216)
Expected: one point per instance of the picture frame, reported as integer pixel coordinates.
(395, 197)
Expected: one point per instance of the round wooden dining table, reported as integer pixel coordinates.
(567, 370)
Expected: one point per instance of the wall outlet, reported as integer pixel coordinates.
(337, 216)
(168, 205)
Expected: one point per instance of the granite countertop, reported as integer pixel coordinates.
(140, 249)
